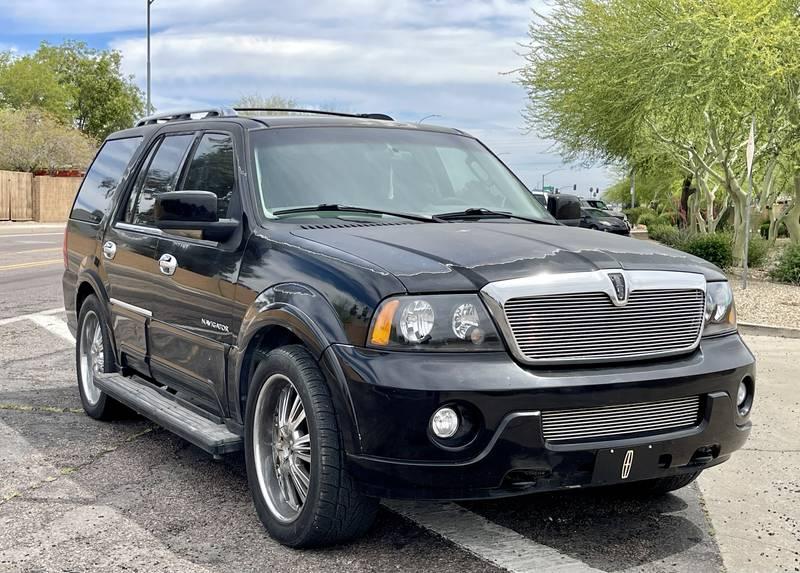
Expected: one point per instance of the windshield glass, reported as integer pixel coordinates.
(389, 169)
(599, 205)
(596, 212)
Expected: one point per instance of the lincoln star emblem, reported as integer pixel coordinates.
(627, 464)
(620, 288)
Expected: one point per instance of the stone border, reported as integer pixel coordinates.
(768, 330)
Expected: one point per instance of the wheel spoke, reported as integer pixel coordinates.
(283, 405)
(300, 480)
(288, 487)
(297, 410)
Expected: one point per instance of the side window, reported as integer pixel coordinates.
(212, 169)
(158, 175)
(96, 194)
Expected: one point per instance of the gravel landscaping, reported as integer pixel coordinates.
(766, 302)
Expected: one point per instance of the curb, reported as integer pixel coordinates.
(767, 330)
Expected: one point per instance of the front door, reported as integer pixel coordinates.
(192, 327)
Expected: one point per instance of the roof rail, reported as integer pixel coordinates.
(180, 115)
(287, 110)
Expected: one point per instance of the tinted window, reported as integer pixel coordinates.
(212, 170)
(97, 190)
(159, 176)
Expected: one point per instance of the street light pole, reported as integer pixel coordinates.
(428, 117)
(149, 104)
(548, 173)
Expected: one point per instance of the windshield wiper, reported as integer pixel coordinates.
(483, 213)
(354, 209)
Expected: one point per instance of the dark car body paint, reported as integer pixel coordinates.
(324, 285)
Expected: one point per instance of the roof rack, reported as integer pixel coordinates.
(381, 116)
(186, 114)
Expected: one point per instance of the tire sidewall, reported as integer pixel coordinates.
(278, 362)
(91, 303)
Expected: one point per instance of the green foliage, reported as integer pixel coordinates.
(647, 219)
(757, 252)
(716, 248)
(667, 235)
(634, 215)
(764, 230)
(32, 140)
(788, 267)
(76, 84)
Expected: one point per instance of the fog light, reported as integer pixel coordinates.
(444, 423)
(741, 395)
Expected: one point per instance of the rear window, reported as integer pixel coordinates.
(97, 190)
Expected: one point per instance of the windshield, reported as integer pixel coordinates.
(596, 212)
(599, 204)
(388, 169)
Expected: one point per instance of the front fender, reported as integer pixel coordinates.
(309, 317)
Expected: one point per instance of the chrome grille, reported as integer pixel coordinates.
(609, 422)
(587, 326)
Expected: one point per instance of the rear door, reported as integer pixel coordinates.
(129, 248)
(193, 325)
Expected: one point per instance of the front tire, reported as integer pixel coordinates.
(295, 458)
(93, 356)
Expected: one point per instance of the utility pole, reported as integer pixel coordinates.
(633, 188)
(149, 104)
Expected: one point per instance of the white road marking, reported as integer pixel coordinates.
(30, 235)
(489, 541)
(53, 324)
(21, 317)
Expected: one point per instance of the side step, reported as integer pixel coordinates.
(147, 400)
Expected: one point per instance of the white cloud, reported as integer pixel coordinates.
(408, 58)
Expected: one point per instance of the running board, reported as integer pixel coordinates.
(147, 400)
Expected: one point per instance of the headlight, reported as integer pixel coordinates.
(720, 315)
(450, 323)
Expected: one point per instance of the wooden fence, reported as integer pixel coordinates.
(24, 197)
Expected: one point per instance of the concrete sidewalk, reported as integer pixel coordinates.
(29, 227)
(754, 498)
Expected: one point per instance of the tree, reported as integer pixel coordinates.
(76, 84)
(33, 140)
(256, 100)
(619, 80)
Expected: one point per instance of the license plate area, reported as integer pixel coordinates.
(615, 465)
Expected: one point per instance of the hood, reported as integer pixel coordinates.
(428, 257)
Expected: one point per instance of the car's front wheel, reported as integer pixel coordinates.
(296, 470)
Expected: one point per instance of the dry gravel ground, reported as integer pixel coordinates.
(767, 302)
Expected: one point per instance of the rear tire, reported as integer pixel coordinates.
(291, 431)
(93, 355)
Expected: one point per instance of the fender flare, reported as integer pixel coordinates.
(290, 306)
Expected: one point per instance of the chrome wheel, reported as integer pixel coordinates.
(282, 448)
(92, 356)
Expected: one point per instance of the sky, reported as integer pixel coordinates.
(450, 59)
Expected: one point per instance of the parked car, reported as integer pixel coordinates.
(603, 206)
(603, 221)
(376, 309)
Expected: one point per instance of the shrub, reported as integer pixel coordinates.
(757, 252)
(788, 268)
(764, 230)
(666, 234)
(716, 248)
(634, 215)
(647, 219)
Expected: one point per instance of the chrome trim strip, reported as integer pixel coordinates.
(496, 294)
(132, 308)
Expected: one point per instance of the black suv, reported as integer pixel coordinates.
(377, 309)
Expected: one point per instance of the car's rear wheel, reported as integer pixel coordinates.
(93, 356)
(295, 457)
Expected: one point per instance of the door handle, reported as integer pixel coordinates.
(167, 263)
(109, 250)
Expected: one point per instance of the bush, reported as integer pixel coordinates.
(783, 232)
(635, 214)
(757, 252)
(647, 219)
(667, 235)
(788, 268)
(716, 248)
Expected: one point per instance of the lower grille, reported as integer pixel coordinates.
(608, 422)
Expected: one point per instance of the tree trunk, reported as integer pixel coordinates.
(792, 220)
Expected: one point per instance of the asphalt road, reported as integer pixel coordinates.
(82, 495)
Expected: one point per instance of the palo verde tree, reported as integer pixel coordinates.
(615, 80)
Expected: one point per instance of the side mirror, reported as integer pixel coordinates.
(192, 211)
